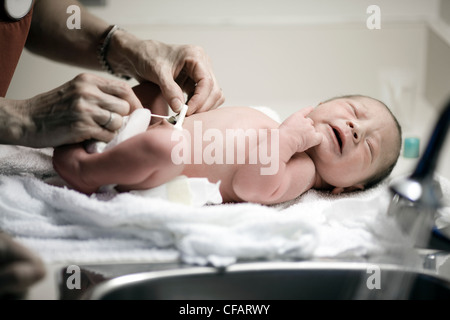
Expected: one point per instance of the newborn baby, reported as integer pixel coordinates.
(343, 144)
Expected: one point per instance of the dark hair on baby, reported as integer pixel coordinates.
(387, 169)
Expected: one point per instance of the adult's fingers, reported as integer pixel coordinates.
(214, 100)
(19, 267)
(17, 277)
(171, 91)
(122, 91)
(107, 99)
(91, 85)
(206, 88)
(194, 76)
(109, 120)
(93, 109)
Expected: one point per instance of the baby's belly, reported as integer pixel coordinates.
(229, 118)
(223, 139)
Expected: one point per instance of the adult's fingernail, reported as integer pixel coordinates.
(176, 105)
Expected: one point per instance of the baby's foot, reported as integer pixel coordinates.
(67, 161)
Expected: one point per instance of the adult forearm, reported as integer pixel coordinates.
(49, 35)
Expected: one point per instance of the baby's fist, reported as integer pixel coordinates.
(301, 131)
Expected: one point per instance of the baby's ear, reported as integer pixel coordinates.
(339, 190)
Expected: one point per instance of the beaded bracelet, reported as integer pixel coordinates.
(103, 51)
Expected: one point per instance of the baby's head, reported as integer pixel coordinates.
(361, 144)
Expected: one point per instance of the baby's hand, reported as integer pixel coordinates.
(300, 131)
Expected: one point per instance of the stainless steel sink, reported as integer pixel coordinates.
(274, 281)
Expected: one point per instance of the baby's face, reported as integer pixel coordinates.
(360, 136)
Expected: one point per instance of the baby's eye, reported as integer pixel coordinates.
(353, 109)
(370, 149)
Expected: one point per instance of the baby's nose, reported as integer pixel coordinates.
(355, 130)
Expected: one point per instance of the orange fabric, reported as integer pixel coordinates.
(13, 35)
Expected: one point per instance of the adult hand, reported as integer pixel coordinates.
(87, 107)
(175, 68)
(19, 268)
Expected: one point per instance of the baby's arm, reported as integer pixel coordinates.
(292, 179)
(296, 171)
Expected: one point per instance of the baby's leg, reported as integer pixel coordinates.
(151, 164)
(68, 161)
(141, 162)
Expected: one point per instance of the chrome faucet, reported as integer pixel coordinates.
(417, 198)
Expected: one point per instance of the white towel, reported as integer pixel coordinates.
(49, 219)
(17, 160)
(63, 225)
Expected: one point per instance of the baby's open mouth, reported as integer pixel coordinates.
(338, 137)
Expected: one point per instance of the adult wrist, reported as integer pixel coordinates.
(116, 54)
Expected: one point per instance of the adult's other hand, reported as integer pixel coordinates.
(87, 107)
(19, 268)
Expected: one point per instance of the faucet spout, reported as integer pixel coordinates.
(428, 162)
(417, 198)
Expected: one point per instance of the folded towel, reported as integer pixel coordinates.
(37, 213)
(18, 160)
(64, 225)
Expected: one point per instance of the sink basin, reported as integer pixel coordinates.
(275, 281)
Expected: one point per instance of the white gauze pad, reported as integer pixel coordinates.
(137, 122)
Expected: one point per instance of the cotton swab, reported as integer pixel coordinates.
(181, 117)
(162, 117)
